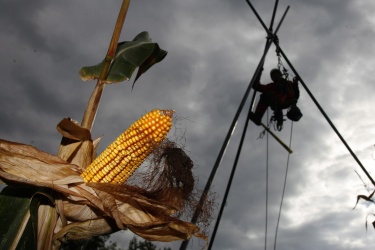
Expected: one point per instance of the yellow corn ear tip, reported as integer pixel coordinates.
(118, 162)
(167, 112)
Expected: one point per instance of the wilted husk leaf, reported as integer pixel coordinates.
(91, 209)
(76, 145)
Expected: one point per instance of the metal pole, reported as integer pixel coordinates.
(269, 37)
(314, 100)
(282, 19)
(273, 15)
(230, 132)
(230, 180)
(325, 115)
(225, 143)
(257, 15)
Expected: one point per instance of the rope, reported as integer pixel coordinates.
(266, 226)
(282, 196)
(224, 202)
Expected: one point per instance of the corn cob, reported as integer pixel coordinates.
(120, 159)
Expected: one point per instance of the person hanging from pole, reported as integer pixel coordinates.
(279, 94)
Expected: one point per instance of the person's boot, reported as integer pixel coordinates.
(256, 118)
(278, 117)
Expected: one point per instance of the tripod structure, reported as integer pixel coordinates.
(271, 39)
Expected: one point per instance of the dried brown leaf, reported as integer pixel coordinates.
(76, 145)
(27, 162)
(84, 230)
(74, 211)
(47, 219)
(364, 197)
(88, 209)
(72, 130)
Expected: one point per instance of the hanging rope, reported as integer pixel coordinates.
(207, 187)
(224, 202)
(282, 196)
(284, 187)
(280, 64)
(266, 226)
(263, 133)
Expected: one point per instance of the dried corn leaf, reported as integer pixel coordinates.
(29, 163)
(72, 130)
(47, 219)
(76, 145)
(84, 230)
(96, 208)
(365, 197)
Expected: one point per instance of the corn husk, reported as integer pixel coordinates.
(83, 210)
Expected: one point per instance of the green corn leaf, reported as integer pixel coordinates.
(19, 217)
(16, 230)
(141, 52)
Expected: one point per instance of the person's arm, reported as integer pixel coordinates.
(295, 87)
(257, 81)
(265, 88)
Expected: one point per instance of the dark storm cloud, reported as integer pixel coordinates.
(213, 49)
(20, 21)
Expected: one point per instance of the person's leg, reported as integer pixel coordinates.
(260, 110)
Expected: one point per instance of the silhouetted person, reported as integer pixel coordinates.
(279, 94)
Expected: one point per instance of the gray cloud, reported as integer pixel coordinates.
(213, 49)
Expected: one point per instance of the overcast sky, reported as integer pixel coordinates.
(213, 49)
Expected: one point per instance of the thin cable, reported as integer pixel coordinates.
(282, 196)
(213, 235)
(207, 187)
(266, 226)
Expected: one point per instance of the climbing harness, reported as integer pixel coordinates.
(280, 64)
(276, 123)
(278, 119)
(234, 122)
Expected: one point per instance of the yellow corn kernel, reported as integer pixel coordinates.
(120, 159)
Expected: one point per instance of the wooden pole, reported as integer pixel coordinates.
(277, 139)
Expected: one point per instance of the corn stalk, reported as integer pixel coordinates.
(92, 107)
(70, 197)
